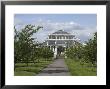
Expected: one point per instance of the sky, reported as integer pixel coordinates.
(81, 25)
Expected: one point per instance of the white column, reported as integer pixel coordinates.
(55, 37)
(53, 49)
(47, 43)
(62, 37)
(55, 52)
(50, 47)
(65, 51)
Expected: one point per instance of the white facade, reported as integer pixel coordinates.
(59, 38)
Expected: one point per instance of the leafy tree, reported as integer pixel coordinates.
(75, 51)
(47, 53)
(26, 49)
(88, 52)
(23, 43)
(91, 49)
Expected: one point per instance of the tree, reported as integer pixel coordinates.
(47, 53)
(23, 43)
(88, 52)
(26, 49)
(91, 49)
(75, 51)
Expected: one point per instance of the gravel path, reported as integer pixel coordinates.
(57, 68)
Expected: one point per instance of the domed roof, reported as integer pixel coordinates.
(60, 32)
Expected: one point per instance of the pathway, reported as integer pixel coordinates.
(57, 68)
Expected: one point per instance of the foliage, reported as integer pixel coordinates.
(88, 51)
(24, 73)
(75, 51)
(25, 48)
(32, 69)
(91, 49)
(77, 69)
(47, 53)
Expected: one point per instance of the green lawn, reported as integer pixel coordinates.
(32, 69)
(24, 73)
(78, 68)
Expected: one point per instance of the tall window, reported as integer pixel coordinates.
(66, 37)
(53, 37)
(50, 37)
(58, 37)
(63, 37)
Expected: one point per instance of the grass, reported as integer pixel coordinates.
(29, 69)
(77, 68)
(24, 73)
(32, 69)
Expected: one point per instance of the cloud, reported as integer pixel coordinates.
(81, 32)
(18, 22)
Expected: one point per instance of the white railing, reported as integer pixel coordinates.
(61, 39)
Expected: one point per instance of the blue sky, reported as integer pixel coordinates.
(82, 25)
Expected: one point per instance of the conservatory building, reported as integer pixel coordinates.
(59, 40)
